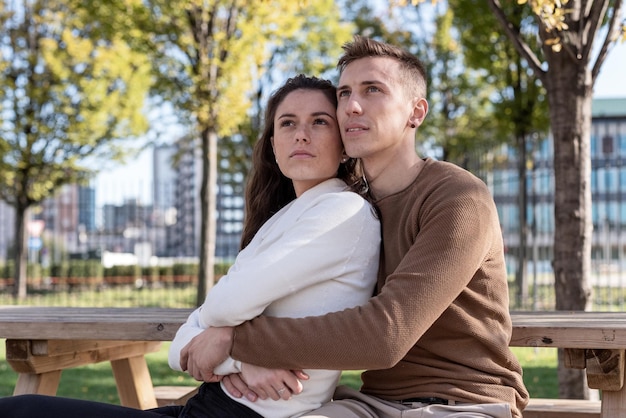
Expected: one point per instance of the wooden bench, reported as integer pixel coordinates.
(113, 335)
(174, 395)
(537, 407)
(562, 408)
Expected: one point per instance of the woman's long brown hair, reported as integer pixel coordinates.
(268, 190)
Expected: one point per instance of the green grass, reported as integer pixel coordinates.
(96, 381)
(120, 297)
(540, 371)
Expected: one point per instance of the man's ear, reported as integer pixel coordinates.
(420, 109)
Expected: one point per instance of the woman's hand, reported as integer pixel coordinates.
(258, 382)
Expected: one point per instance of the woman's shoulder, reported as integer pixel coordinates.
(342, 194)
(333, 198)
(333, 190)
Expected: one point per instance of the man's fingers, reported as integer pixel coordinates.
(184, 356)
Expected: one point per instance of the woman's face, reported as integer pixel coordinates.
(306, 139)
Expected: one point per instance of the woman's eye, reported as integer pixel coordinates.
(320, 121)
(286, 122)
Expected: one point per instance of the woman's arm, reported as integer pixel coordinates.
(184, 335)
(311, 249)
(336, 238)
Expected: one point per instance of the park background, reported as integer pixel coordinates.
(130, 234)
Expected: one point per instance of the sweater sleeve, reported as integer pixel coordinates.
(455, 228)
(304, 254)
(184, 335)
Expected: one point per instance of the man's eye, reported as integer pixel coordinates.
(372, 89)
(343, 93)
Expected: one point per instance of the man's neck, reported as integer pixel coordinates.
(388, 177)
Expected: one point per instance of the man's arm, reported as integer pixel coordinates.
(457, 227)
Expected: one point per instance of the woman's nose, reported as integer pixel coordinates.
(302, 134)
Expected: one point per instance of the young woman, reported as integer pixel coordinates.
(310, 246)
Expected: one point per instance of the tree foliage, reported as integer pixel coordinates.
(208, 58)
(461, 97)
(67, 97)
(519, 111)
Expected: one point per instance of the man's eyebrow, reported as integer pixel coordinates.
(362, 83)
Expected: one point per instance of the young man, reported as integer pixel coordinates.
(434, 339)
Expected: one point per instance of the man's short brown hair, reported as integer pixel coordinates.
(413, 71)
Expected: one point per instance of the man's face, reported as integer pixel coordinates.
(374, 113)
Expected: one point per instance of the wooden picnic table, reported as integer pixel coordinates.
(594, 341)
(43, 341)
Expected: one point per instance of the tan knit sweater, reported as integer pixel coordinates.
(439, 325)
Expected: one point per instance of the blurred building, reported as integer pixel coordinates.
(87, 208)
(177, 182)
(608, 186)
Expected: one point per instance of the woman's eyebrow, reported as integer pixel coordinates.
(322, 113)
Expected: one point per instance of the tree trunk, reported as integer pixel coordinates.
(208, 204)
(20, 289)
(570, 95)
(521, 282)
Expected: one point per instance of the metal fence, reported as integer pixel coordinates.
(137, 229)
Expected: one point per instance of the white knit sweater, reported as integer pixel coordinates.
(318, 254)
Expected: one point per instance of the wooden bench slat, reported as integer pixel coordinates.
(174, 395)
(562, 408)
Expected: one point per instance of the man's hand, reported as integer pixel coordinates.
(258, 382)
(205, 352)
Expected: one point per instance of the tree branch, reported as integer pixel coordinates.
(522, 47)
(612, 34)
(591, 19)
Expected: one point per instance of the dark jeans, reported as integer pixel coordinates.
(209, 402)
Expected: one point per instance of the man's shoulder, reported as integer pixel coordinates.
(449, 175)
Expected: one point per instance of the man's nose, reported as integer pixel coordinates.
(353, 106)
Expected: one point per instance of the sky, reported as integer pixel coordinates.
(134, 179)
(611, 81)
